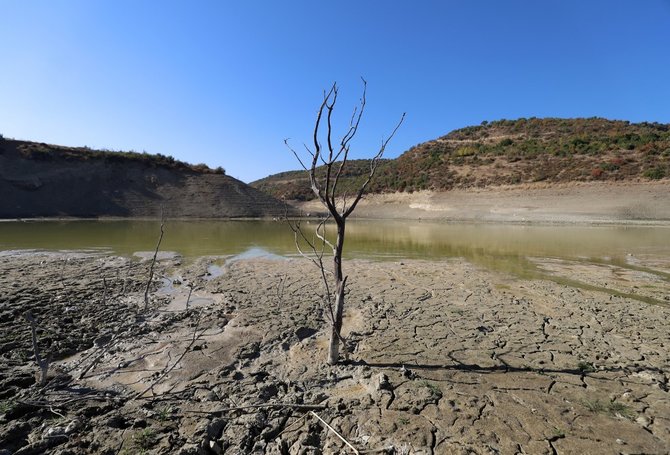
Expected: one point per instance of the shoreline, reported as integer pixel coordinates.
(639, 203)
(595, 223)
(643, 203)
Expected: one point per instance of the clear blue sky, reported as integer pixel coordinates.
(224, 82)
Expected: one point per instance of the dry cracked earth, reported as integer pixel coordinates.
(445, 358)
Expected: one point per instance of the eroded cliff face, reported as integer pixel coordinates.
(52, 183)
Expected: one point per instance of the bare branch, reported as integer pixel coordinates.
(373, 168)
(339, 171)
(335, 432)
(331, 107)
(188, 299)
(305, 407)
(104, 349)
(322, 237)
(42, 363)
(344, 202)
(329, 163)
(324, 191)
(344, 144)
(167, 371)
(317, 146)
(296, 154)
(353, 126)
(317, 254)
(297, 231)
(153, 261)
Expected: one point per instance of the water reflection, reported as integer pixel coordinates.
(496, 246)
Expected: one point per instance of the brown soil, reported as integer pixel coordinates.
(95, 184)
(446, 358)
(602, 202)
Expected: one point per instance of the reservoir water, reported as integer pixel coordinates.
(519, 250)
(478, 243)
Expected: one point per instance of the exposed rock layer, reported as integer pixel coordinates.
(61, 182)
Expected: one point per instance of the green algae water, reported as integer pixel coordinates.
(507, 248)
(496, 246)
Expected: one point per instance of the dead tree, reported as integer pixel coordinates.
(328, 162)
(153, 262)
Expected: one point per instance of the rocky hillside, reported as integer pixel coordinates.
(41, 180)
(510, 152)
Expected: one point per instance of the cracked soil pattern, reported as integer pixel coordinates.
(447, 358)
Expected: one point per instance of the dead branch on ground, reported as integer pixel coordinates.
(153, 262)
(302, 407)
(42, 363)
(334, 432)
(167, 371)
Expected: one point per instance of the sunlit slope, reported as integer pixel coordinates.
(510, 152)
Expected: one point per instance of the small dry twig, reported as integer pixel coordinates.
(102, 350)
(335, 432)
(188, 299)
(42, 363)
(153, 262)
(304, 407)
(104, 291)
(174, 365)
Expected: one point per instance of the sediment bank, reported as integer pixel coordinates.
(587, 203)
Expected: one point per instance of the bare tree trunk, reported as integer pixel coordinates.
(335, 334)
(340, 282)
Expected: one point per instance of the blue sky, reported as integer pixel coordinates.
(225, 82)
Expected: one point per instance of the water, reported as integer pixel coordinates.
(512, 249)
(502, 247)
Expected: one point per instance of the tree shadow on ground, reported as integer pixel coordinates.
(474, 368)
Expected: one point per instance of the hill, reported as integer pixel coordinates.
(510, 152)
(43, 180)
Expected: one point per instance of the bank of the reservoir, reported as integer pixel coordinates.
(639, 202)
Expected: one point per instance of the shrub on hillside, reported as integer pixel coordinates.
(466, 151)
(655, 173)
(516, 150)
(200, 167)
(610, 167)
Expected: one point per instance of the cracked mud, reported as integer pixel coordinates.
(447, 358)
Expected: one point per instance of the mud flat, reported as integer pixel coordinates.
(447, 358)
